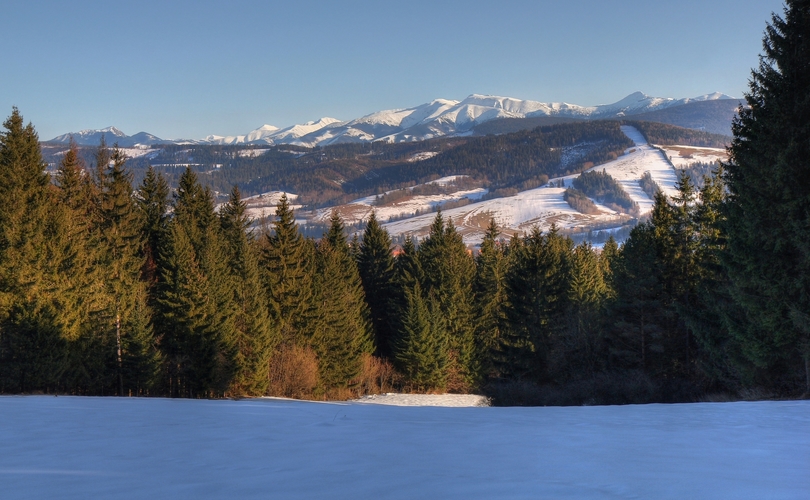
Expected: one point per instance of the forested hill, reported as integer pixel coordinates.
(336, 174)
(660, 133)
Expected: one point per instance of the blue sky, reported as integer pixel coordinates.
(188, 69)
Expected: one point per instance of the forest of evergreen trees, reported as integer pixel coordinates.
(661, 133)
(113, 289)
(604, 189)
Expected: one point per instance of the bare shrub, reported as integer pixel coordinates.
(293, 372)
(455, 382)
(376, 376)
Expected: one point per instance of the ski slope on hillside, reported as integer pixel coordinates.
(629, 168)
(542, 207)
(122, 448)
(545, 205)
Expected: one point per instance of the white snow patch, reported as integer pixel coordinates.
(447, 400)
(425, 155)
(138, 152)
(252, 153)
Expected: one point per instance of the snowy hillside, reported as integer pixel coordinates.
(539, 207)
(264, 205)
(681, 156)
(117, 448)
(360, 209)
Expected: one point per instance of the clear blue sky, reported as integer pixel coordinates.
(187, 69)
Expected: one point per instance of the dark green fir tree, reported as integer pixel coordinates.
(768, 206)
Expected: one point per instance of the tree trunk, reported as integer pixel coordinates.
(120, 364)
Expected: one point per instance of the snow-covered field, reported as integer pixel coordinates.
(682, 156)
(110, 448)
(138, 152)
(264, 205)
(361, 208)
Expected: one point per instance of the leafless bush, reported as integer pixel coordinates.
(376, 376)
(293, 372)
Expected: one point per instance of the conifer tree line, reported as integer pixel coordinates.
(110, 288)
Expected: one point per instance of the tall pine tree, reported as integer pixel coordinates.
(768, 207)
(31, 343)
(376, 265)
(287, 264)
(449, 271)
(255, 335)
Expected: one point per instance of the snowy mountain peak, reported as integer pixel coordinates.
(324, 121)
(112, 135)
(632, 98)
(260, 133)
(107, 131)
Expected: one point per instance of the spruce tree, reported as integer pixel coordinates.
(119, 230)
(676, 251)
(449, 271)
(536, 294)
(189, 345)
(767, 258)
(79, 245)
(638, 315)
(580, 350)
(287, 264)
(720, 359)
(32, 350)
(256, 337)
(421, 350)
(489, 296)
(196, 300)
(153, 203)
(343, 330)
(376, 265)
(607, 263)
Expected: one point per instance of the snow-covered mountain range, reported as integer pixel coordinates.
(438, 118)
(111, 135)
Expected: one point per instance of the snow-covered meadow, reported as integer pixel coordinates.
(77, 447)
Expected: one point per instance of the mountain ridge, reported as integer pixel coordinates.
(437, 118)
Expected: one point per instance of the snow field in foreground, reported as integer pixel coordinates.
(77, 447)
